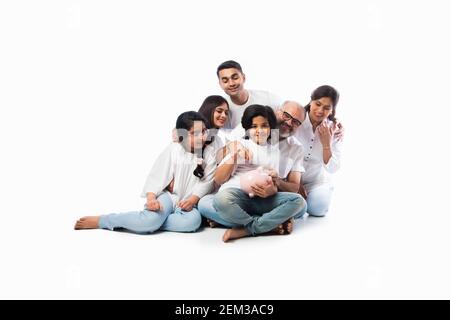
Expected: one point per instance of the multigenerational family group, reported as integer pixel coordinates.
(248, 162)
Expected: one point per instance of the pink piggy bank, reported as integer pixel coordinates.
(252, 178)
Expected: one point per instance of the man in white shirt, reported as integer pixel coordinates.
(232, 81)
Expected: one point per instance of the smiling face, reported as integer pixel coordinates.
(289, 118)
(320, 109)
(260, 130)
(220, 115)
(231, 81)
(197, 136)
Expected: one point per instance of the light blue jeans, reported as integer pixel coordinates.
(319, 200)
(207, 209)
(146, 221)
(257, 215)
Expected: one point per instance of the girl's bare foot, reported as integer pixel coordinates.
(288, 226)
(231, 234)
(90, 222)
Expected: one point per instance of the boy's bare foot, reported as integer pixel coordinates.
(288, 226)
(231, 234)
(278, 230)
(90, 222)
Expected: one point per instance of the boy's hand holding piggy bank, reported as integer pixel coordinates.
(258, 182)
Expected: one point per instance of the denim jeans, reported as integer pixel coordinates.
(207, 210)
(146, 221)
(319, 199)
(257, 215)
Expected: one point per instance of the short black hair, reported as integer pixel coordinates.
(209, 106)
(256, 110)
(228, 65)
(325, 92)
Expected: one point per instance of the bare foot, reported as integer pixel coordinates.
(212, 223)
(231, 234)
(279, 230)
(90, 222)
(288, 226)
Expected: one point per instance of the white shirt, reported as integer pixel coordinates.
(221, 138)
(316, 171)
(178, 164)
(264, 98)
(283, 157)
(291, 160)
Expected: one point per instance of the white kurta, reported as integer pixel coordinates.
(316, 171)
(178, 164)
(291, 158)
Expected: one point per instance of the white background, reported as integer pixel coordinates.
(89, 91)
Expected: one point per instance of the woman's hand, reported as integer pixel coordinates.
(153, 205)
(188, 204)
(326, 133)
(339, 130)
(185, 205)
(236, 149)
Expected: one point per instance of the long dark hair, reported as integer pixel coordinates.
(208, 107)
(256, 110)
(325, 92)
(185, 122)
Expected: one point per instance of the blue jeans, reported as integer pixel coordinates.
(146, 221)
(257, 215)
(319, 199)
(207, 209)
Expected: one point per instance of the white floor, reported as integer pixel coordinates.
(349, 254)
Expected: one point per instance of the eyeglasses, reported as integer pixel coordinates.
(287, 117)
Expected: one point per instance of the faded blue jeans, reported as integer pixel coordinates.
(257, 215)
(319, 200)
(207, 209)
(146, 221)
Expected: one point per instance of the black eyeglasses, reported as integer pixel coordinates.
(295, 122)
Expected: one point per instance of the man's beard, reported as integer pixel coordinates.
(284, 133)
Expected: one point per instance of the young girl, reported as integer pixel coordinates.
(261, 214)
(216, 113)
(190, 164)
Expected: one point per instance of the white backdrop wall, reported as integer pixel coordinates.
(89, 92)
